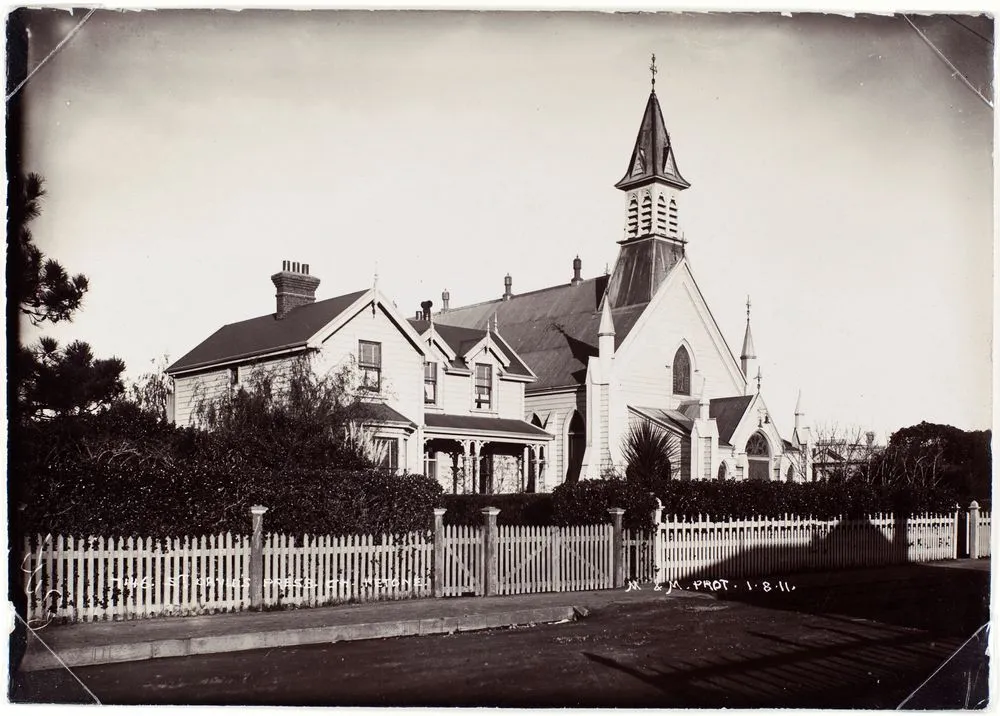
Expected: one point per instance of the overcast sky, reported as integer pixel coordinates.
(839, 173)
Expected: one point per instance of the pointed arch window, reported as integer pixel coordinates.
(759, 457)
(661, 215)
(647, 214)
(673, 217)
(682, 372)
(632, 226)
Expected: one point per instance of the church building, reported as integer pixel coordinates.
(528, 391)
(640, 344)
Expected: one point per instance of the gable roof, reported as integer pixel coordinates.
(727, 413)
(461, 340)
(265, 334)
(553, 330)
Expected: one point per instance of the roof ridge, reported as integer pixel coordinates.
(517, 296)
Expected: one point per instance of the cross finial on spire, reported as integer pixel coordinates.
(652, 70)
(748, 308)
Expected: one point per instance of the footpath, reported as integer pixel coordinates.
(88, 644)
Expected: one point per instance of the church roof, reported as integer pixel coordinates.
(727, 413)
(554, 330)
(653, 156)
(264, 334)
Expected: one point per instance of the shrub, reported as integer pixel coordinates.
(588, 502)
(516, 509)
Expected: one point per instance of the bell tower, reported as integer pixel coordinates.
(652, 243)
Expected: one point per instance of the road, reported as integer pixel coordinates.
(845, 647)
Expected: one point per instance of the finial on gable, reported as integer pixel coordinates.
(652, 72)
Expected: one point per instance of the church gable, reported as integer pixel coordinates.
(677, 318)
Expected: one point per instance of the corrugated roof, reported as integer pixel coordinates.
(477, 423)
(553, 330)
(264, 334)
(727, 413)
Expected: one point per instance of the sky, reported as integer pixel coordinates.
(840, 175)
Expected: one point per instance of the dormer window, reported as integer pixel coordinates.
(682, 372)
(484, 386)
(430, 383)
(370, 365)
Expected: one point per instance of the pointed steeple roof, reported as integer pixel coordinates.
(607, 326)
(653, 156)
(748, 349)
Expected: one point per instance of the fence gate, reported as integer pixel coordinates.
(464, 561)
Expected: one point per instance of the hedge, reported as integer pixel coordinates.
(516, 509)
(199, 497)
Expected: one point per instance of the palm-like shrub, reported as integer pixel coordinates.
(650, 454)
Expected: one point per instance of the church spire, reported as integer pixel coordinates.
(652, 243)
(748, 356)
(652, 156)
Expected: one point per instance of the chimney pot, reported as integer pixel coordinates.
(507, 283)
(577, 267)
(445, 297)
(293, 287)
(426, 309)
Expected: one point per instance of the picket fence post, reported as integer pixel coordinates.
(257, 557)
(659, 568)
(618, 549)
(974, 530)
(490, 549)
(438, 578)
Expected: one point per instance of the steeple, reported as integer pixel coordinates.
(652, 156)
(748, 356)
(652, 244)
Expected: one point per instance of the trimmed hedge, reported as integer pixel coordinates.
(198, 497)
(516, 509)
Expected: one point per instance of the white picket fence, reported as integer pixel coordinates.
(554, 559)
(94, 578)
(98, 579)
(984, 525)
(759, 547)
(313, 571)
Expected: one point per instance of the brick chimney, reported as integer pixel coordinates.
(507, 283)
(425, 310)
(445, 298)
(294, 287)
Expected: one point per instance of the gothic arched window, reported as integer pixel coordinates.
(661, 215)
(673, 217)
(647, 214)
(682, 372)
(759, 457)
(632, 227)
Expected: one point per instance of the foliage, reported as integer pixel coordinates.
(515, 509)
(66, 381)
(107, 496)
(290, 416)
(649, 452)
(150, 391)
(41, 287)
(588, 502)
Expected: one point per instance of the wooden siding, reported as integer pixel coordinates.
(641, 375)
(402, 363)
(559, 406)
